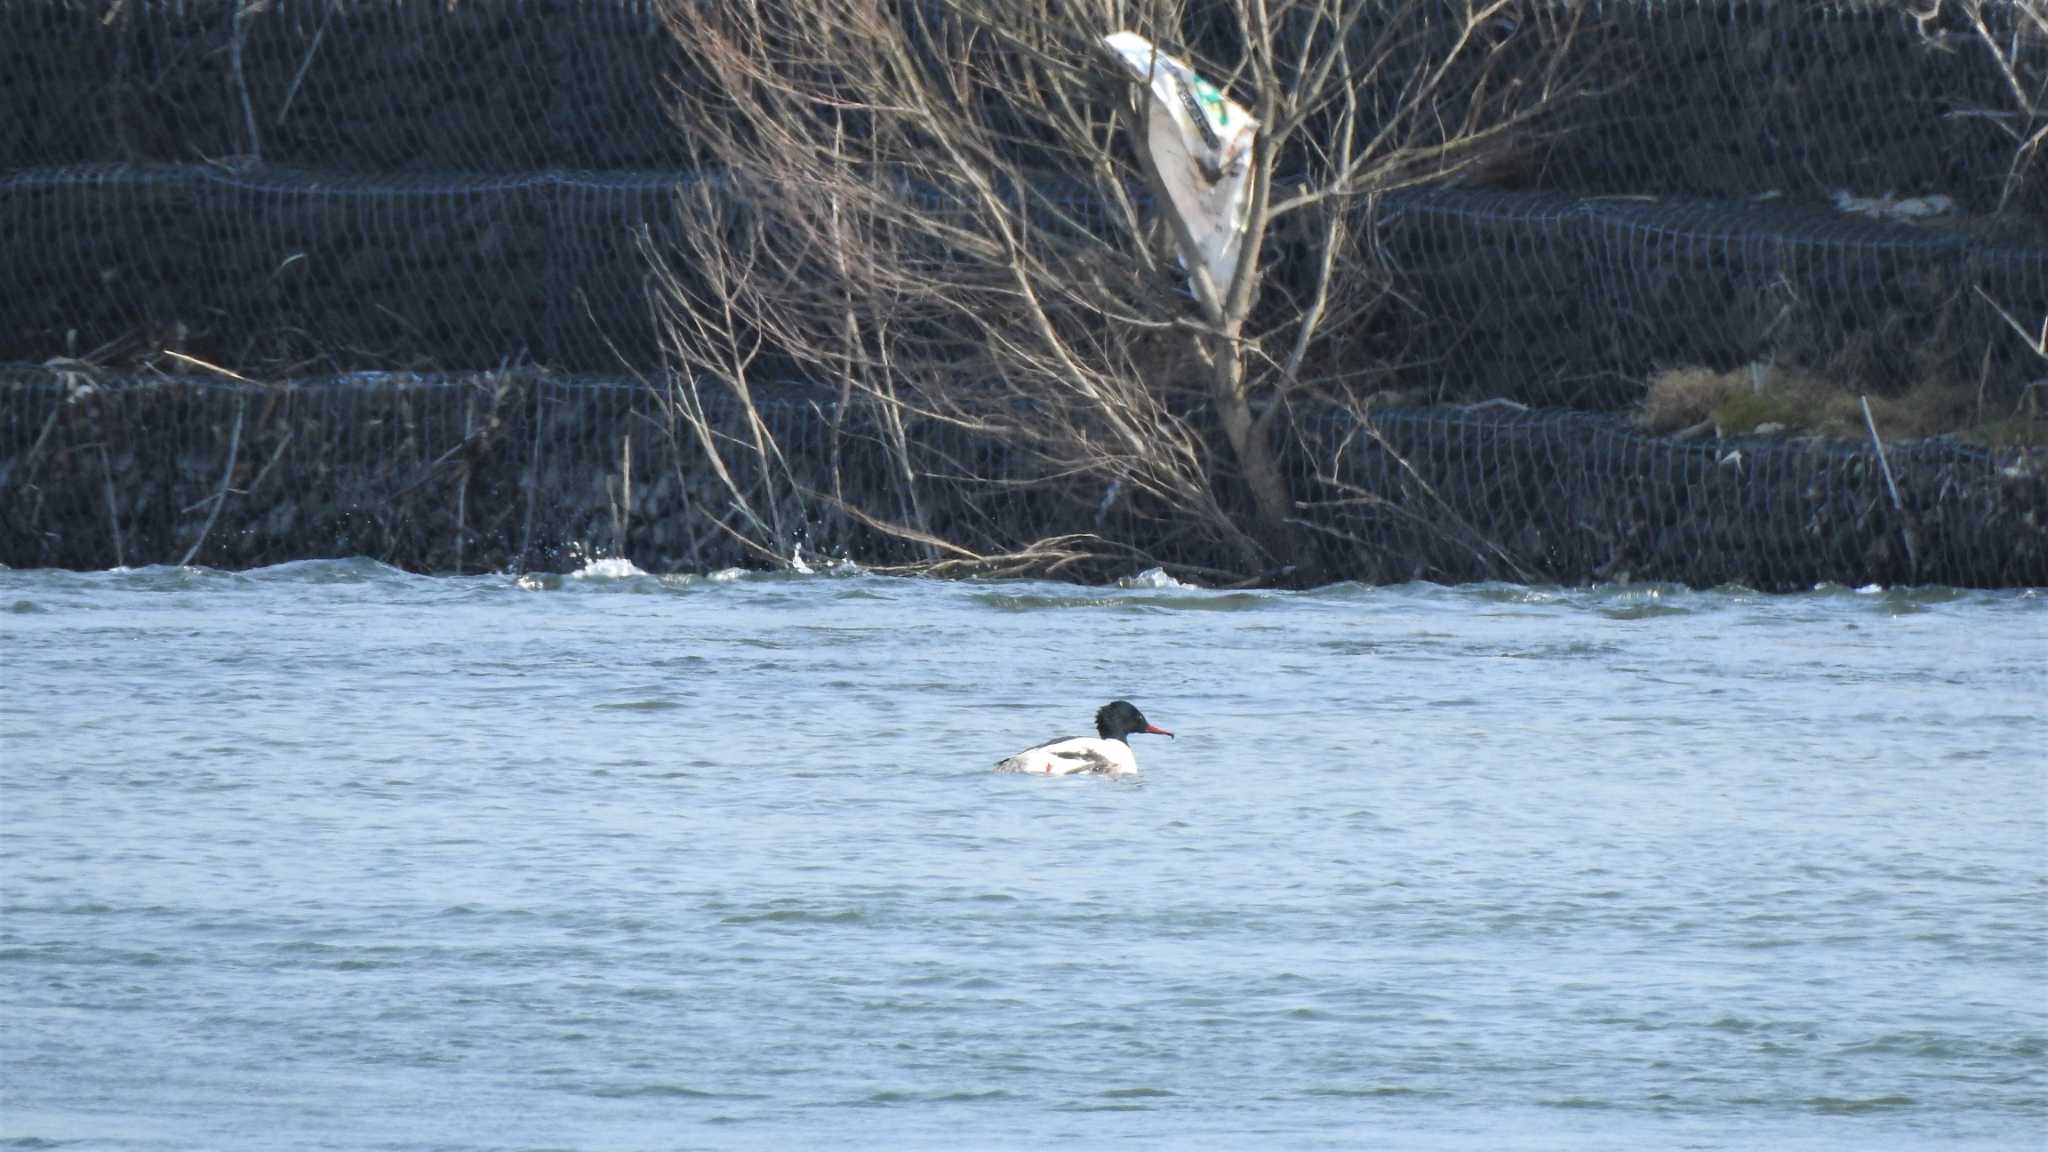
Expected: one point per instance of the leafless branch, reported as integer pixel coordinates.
(939, 210)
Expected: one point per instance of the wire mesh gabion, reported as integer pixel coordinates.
(1562, 300)
(434, 221)
(516, 470)
(1726, 99)
(1541, 298)
(376, 86)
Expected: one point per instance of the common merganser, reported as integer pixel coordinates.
(1105, 752)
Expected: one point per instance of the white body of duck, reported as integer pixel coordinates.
(1073, 756)
(1104, 754)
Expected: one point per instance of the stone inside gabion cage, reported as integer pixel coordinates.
(514, 471)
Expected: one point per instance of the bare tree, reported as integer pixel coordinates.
(2013, 36)
(944, 213)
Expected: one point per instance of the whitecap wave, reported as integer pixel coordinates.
(1153, 578)
(817, 565)
(608, 568)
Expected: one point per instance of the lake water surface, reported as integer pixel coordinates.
(331, 856)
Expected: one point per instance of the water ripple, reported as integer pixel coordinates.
(616, 860)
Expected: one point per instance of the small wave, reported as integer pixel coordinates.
(1579, 1102)
(656, 704)
(1840, 1106)
(1032, 602)
(971, 1097)
(1929, 1045)
(1498, 593)
(639, 1091)
(1642, 611)
(886, 1096)
(1202, 601)
(1643, 601)
(1896, 594)
(89, 908)
(795, 916)
(345, 570)
(123, 958)
(1191, 600)
(162, 578)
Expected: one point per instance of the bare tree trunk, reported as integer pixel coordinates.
(939, 223)
(1253, 447)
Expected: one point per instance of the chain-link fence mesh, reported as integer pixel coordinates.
(1551, 299)
(343, 85)
(1734, 99)
(510, 470)
(1712, 98)
(1542, 298)
(277, 268)
(1574, 497)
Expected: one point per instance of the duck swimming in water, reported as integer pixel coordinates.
(1106, 752)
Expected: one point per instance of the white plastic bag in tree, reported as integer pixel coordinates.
(1201, 142)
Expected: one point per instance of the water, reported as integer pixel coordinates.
(330, 856)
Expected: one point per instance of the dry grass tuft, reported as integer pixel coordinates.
(1763, 399)
(1683, 398)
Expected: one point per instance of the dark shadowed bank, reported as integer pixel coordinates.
(381, 202)
(1540, 297)
(530, 471)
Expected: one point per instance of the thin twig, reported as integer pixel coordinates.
(35, 451)
(299, 77)
(462, 484)
(113, 517)
(239, 34)
(532, 481)
(2036, 343)
(1905, 523)
(197, 362)
(1881, 461)
(227, 474)
(622, 520)
(283, 442)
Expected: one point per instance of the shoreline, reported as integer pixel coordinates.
(532, 471)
